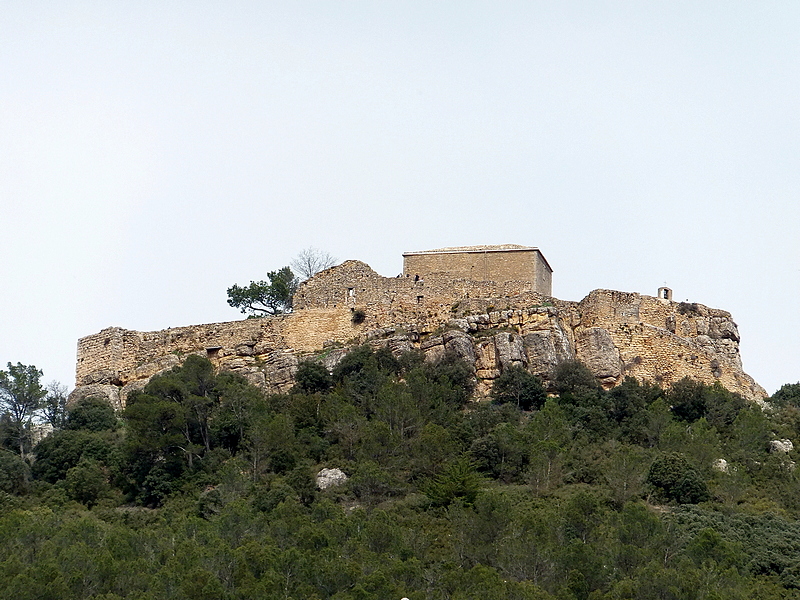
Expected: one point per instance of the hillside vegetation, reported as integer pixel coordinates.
(205, 489)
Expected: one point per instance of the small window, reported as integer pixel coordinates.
(419, 299)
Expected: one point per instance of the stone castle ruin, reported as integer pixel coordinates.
(509, 262)
(491, 305)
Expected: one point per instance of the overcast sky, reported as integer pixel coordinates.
(154, 153)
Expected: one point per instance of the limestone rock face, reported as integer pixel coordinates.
(510, 350)
(595, 348)
(108, 392)
(100, 376)
(154, 367)
(545, 350)
(460, 344)
(616, 334)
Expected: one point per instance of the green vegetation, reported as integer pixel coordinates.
(519, 387)
(261, 298)
(21, 395)
(274, 296)
(204, 488)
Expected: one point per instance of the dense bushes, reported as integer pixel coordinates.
(205, 489)
(674, 479)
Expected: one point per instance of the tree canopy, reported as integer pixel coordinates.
(21, 395)
(204, 487)
(260, 298)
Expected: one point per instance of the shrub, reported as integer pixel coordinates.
(14, 473)
(313, 377)
(516, 386)
(573, 376)
(789, 394)
(91, 414)
(458, 481)
(675, 480)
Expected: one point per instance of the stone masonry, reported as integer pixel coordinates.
(508, 262)
(491, 324)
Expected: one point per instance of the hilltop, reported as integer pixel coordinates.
(493, 324)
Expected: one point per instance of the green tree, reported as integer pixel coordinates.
(171, 422)
(86, 482)
(21, 395)
(458, 481)
(674, 479)
(91, 414)
(262, 298)
(517, 386)
(237, 401)
(573, 376)
(59, 452)
(687, 398)
(313, 377)
(14, 473)
(789, 394)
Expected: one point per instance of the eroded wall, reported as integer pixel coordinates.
(403, 300)
(491, 325)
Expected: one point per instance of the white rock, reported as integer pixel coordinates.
(328, 478)
(721, 465)
(784, 446)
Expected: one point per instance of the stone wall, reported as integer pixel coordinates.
(491, 325)
(426, 302)
(482, 263)
(116, 361)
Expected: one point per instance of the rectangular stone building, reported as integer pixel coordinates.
(507, 262)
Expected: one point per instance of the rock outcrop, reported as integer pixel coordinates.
(328, 478)
(616, 334)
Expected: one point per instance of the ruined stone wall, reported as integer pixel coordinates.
(493, 326)
(661, 341)
(492, 265)
(116, 361)
(424, 303)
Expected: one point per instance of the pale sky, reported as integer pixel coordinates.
(154, 153)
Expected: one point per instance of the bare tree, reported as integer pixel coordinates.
(54, 405)
(311, 261)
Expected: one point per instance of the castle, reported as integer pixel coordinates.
(491, 305)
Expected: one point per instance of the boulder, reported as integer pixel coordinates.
(328, 478)
(154, 367)
(510, 350)
(109, 393)
(545, 350)
(782, 446)
(460, 344)
(100, 376)
(595, 348)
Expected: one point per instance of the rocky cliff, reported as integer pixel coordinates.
(615, 334)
